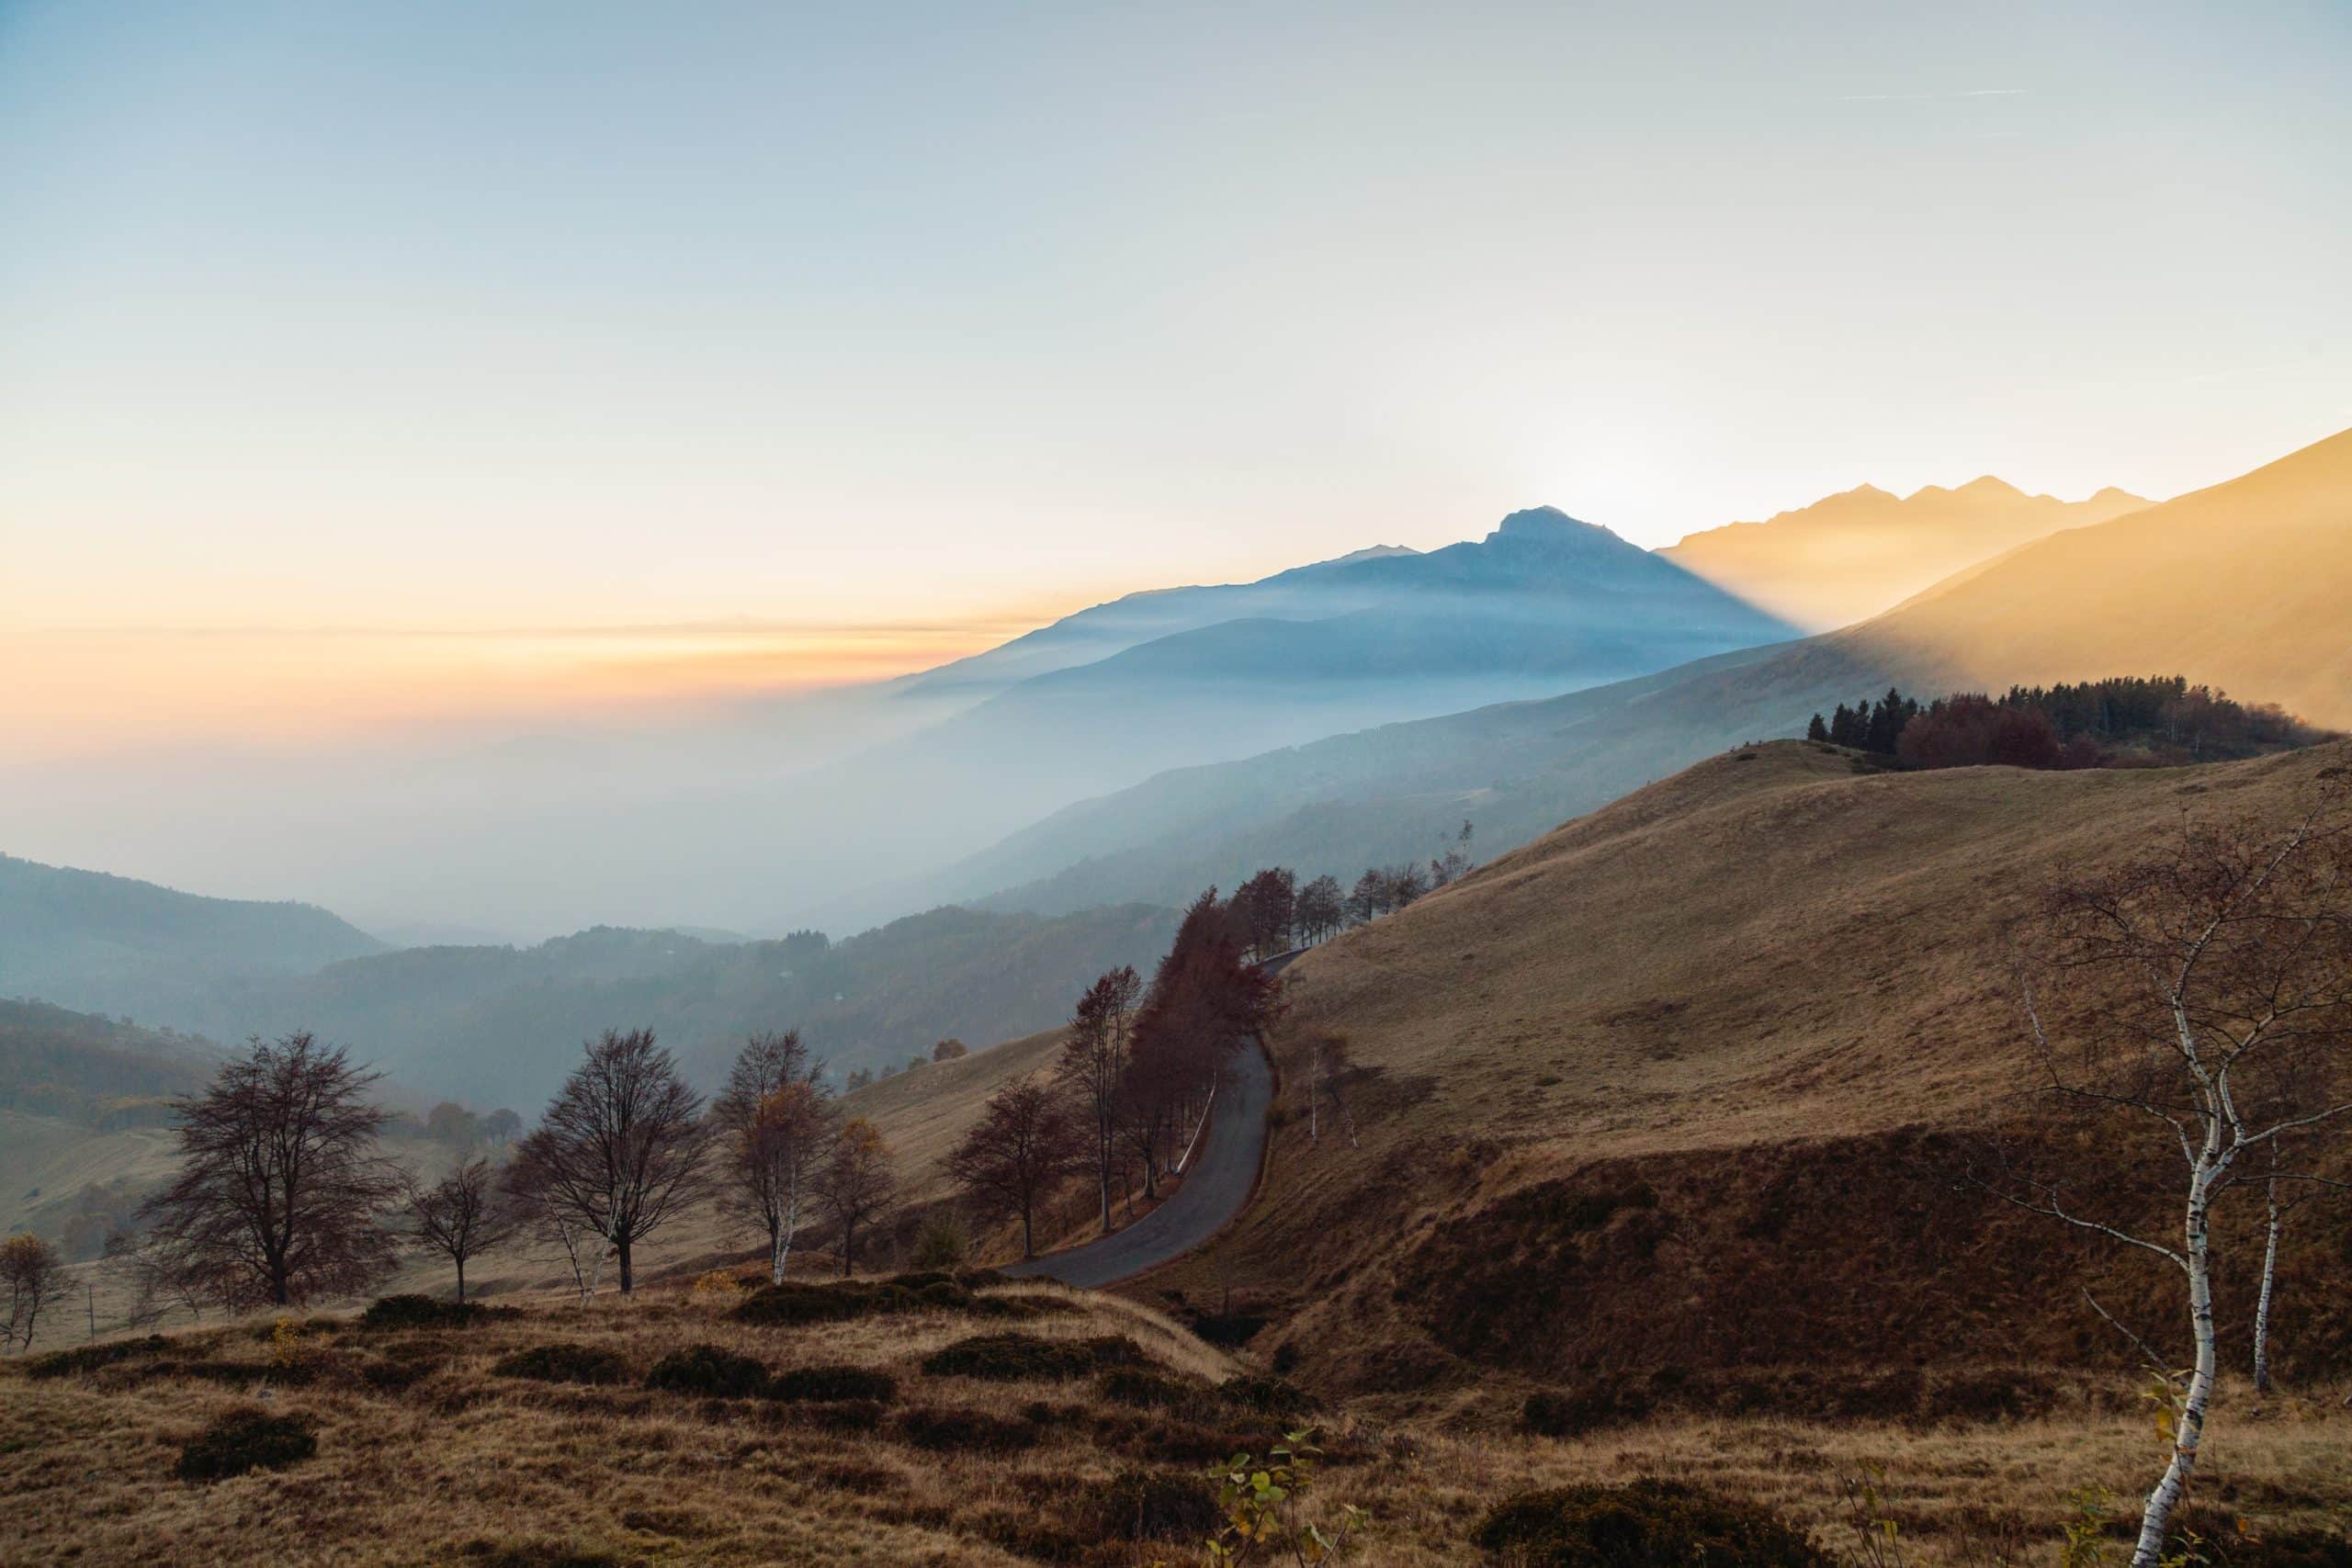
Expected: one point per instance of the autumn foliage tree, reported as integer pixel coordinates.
(1266, 908)
(1206, 1000)
(1026, 1142)
(776, 1124)
(622, 1145)
(32, 1280)
(855, 1183)
(279, 1190)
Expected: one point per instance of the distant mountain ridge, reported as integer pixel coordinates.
(91, 941)
(2240, 585)
(1862, 552)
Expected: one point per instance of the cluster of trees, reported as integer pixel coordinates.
(1275, 913)
(1137, 1079)
(2089, 725)
(283, 1194)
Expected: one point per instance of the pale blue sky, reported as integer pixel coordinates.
(486, 315)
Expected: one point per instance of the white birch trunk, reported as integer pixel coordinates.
(784, 1232)
(2262, 1303)
(2188, 1432)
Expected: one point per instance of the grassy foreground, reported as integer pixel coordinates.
(428, 1451)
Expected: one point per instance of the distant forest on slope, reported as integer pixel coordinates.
(2124, 721)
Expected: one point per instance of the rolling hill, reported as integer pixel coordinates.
(1849, 556)
(85, 939)
(1694, 1057)
(2240, 585)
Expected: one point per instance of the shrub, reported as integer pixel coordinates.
(979, 1279)
(1270, 1397)
(946, 1293)
(791, 1304)
(398, 1374)
(709, 1369)
(246, 1440)
(426, 1312)
(715, 1289)
(834, 1383)
(952, 1431)
(562, 1361)
(942, 1243)
(1003, 1358)
(86, 1359)
(1154, 1505)
(1647, 1524)
(1590, 1406)
(538, 1554)
(921, 1279)
(1140, 1388)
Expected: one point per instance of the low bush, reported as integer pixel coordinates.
(563, 1361)
(958, 1430)
(538, 1554)
(830, 1383)
(1590, 1406)
(246, 1440)
(792, 1303)
(1269, 1396)
(1647, 1524)
(979, 1279)
(709, 1369)
(920, 1279)
(428, 1312)
(398, 1374)
(945, 1293)
(1005, 1358)
(1153, 1505)
(85, 1358)
(942, 1243)
(1140, 1388)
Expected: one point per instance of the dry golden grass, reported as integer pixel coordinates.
(465, 1464)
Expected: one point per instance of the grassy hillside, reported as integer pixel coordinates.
(83, 939)
(1695, 1059)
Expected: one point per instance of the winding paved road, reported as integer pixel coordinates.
(1215, 1190)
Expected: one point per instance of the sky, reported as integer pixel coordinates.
(382, 366)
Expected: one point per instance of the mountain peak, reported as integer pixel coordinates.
(1545, 522)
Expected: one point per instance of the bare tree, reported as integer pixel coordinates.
(279, 1187)
(1322, 908)
(2205, 996)
(1327, 1069)
(461, 1216)
(621, 1145)
(156, 1286)
(1026, 1141)
(32, 1273)
(856, 1182)
(1095, 1063)
(778, 1123)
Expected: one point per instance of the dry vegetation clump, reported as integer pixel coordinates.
(1004, 1358)
(83, 1359)
(564, 1362)
(962, 1429)
(795, 1302)
(709, 1369)
(1645, 1523)
(428, 1312)
(245, 1439)
(832, 1384)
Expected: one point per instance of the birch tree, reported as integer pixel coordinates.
(1094, 1064)
(777, 1124)
(2205, 996)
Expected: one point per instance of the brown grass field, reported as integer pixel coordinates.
(463, 1465)
(1663, 1142)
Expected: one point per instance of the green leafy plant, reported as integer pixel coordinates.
(1263, 1506)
